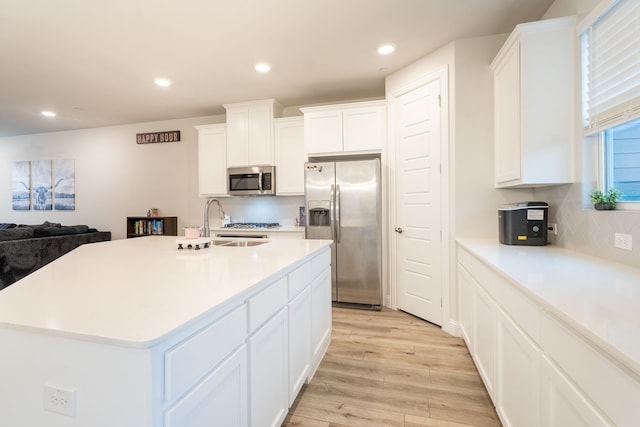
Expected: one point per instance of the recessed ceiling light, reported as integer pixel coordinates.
(163, 82)
(386, 49)
(48, 113)
(263, 67)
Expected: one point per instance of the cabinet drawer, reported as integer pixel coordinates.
(220, 399)
(615, 391)
(320, 263)
(299, 279)
(190, 360)
(266, 303)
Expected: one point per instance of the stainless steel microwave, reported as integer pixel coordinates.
(251, 181)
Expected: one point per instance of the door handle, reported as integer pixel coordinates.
(399, 230)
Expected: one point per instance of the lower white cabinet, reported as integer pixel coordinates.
(561, 403)
(221, 396)
(321, 318)
(538, 371)
(484, 342)
(299, 342)
(517, 359)
(269, 372)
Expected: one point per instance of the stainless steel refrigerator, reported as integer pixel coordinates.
(342, 200)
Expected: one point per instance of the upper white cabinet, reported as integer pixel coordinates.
(534, 101)
(212, 161)
(353, 127)
(290, 157)
(250, 132)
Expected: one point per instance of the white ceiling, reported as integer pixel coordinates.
(94, 62)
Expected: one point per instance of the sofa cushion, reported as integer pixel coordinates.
(46, 231)
(16, 233)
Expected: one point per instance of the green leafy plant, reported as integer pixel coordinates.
(604, 200)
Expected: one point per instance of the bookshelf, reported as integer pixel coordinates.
(138, 226)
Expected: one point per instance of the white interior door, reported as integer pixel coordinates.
(418, 202)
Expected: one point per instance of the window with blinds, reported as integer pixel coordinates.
(611, 66)
(611, 92)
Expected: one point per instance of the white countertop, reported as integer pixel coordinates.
(598, 298)
(133, 292)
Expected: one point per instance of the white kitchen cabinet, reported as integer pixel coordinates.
(221, 396)
(544, 372)
(299, 342)
(212, 160)
(534, 104)
(484, 341)
(250, 132)
(517, 360)
(320, 311)
(290, 157)
(268, 372)
(345, 128)
(562, 404)
(465, 306)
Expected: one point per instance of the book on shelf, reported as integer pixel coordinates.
(148, 226)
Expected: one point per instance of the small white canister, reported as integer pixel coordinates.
(192, 232)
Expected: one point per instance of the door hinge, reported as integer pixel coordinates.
(439, 101)
(440, 302)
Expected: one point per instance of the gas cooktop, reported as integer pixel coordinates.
(252, 225)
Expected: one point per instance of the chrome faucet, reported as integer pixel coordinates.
(207, 232)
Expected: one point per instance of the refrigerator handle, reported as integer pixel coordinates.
(337, 212)
(332, 211)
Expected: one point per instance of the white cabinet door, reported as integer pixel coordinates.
(517, 375)
(320, 318)
(261, 135)
(562, 404)
(269, 373)
(250, 132)
(299, 342)
(323, 132)
(484, 344)
(465, 304)
(238, 136)
(364, 128)
(507, 117)
(212, 162)
(344, 128)
(290, 157)
(534, 104)
(220, 399)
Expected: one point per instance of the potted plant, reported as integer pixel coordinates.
(604, 201)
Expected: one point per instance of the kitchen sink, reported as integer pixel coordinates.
(238, 243)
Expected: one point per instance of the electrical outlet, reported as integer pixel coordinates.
(623, 241)
(60, 400)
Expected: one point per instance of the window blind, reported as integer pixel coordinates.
(611, 67)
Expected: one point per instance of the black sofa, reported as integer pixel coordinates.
(26, 248)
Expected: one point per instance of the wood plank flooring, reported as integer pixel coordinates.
(388, 368)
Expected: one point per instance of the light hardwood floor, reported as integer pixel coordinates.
(389, 368)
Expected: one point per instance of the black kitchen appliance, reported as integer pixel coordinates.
(523, 223)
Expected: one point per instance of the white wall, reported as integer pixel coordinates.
(116, 178)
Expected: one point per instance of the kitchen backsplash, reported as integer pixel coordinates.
(281, 209)
(583, 229)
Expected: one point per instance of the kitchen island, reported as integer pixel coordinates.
(139, 333)
(553, 333)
